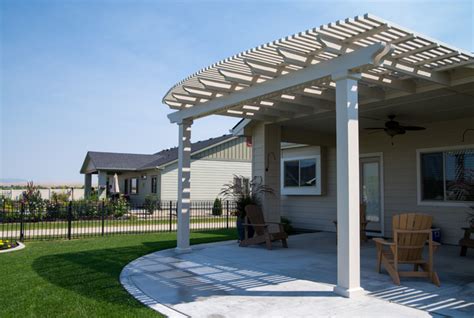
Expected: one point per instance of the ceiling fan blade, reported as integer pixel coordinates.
(376, 131)
(413, 128)
(375, 128)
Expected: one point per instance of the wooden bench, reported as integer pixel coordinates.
(466, 242)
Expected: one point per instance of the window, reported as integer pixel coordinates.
(300, 173)
(154, 184)
(300, 176)
(447, 176)
(134, 186)
(125, 188)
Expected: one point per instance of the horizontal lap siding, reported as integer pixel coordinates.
(315, 212)
(400, 181)
(400, 173)
(207, 178)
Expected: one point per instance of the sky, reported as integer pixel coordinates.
(79, 75)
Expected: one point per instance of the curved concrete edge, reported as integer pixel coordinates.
(139, 295)
(19, 247)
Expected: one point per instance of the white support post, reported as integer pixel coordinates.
(348, 238)
(102, 185)
(184, 184)
(87, 185)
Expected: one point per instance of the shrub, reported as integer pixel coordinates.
(60, 197)
(118, 207)
(217, 207)
(151, 203)
(86, 208)
(31, 198)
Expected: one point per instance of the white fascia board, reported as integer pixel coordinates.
(239, 129)
(370, 55)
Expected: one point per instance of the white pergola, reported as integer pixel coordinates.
(346, 64)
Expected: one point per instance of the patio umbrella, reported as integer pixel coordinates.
(115, 185)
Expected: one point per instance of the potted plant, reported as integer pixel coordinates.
(244, 192)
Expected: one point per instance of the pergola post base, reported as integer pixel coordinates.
(181, 250)
(349, 293)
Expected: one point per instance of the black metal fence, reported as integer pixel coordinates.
(70, 220)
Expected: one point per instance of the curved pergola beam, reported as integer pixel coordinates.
(354, 61)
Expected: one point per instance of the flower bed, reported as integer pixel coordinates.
(7, 244)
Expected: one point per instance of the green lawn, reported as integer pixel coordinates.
(80, 278)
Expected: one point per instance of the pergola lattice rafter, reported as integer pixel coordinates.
(415, 61)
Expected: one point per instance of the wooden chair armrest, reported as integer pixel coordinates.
(379, 240)
(435, 244)
(413, 231)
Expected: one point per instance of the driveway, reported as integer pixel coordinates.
(223, 280)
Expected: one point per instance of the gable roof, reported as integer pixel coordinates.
(96, 160)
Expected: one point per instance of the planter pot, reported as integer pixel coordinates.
(241, 229)
(436, 234)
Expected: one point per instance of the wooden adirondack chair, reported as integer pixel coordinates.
(363, 223)
(254, 218)
(411, 232)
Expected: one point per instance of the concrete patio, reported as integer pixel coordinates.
(223, 280)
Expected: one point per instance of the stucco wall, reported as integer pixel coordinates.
(400, 179)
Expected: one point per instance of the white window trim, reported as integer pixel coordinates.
(316, 190)
(421, 202)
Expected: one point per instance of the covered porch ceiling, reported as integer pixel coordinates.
(442, 104)
(259, 83)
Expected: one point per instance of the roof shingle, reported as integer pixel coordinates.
(133, 162)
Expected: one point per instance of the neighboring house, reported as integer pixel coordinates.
(141, 175)
(332, 87)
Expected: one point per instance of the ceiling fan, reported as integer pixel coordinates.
(393, 127)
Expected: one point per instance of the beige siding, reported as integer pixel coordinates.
(266, 166)
(315, 212)
(207, 178)
(235, 150)
(144, 185)
(400, 180)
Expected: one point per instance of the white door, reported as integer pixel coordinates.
(371, 191)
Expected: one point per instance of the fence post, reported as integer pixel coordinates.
(227, 214)
(171, 216)
(69, 220)
(22, 214)
(103, 217)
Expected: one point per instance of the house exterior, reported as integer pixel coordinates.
(333, 89)
(142, 175)
(393, 178)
